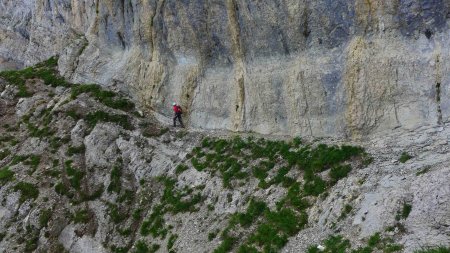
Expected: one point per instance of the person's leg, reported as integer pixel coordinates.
(179, 118)
(175, 120)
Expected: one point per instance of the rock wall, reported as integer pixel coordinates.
(303, 67)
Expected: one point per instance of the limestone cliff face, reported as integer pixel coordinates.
(303, 67)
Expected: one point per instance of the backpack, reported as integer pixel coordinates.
(179, 109)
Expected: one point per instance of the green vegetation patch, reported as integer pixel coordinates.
(115, 184)
(81, 216)
(172, 201)
(334, 244)
(404, 157)
(231, 158)
(404, 213)
(85, 196)
(270, 162)
(181, 168)
(6, 138)
(172, 239)
(116, 249)
(39, 132)
(74, 175)
(4, 153)
(345, 211)
(62, 189)
(115, 213)
(75, 150)
(6, 175)
(44, 217)
(424, 170)
(100, 116)
(33, 239)
(272, 231)
(18, 159)
(45, 71)
(142, 247)
(105, 97)
(27, 191)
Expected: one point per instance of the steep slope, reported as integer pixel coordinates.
(82, 171)
(298, 67)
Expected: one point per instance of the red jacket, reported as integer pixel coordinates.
(177, 109)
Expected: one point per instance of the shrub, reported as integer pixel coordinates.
(206, 142)
(141, 247)
(75, 175)
(197, 164)
(32, 243)
(247, 249)
(268, 237)
(423, 171)
(345, 211)
(81, 216)
(287, 221)
(85, 196)
(45, 216)
(17, 78)
(73, 114)
(75, 150)
(338, 172)
(115, 185)
(61, 189)
(27, 191)
(212, 235)
(18, 159)
(105, 97)
(281, 178)
(374, 240)
(127, 196)
(334, 244)
(172, 198)
(137, 214)
(404, 157)
(33, 161)
(116, 249)
(171, 241)
(255, 209)
(314, 186)
(5, 175)
(226, 245)
(294, 198)
(4, 153)
(181, 168)
(406, 210)
(39, 132)
(100, 116)
(392, 248)
(337, 244)
(6, 138)
(115, 214)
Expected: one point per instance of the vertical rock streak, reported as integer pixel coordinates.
(238, 120)
(438, 89)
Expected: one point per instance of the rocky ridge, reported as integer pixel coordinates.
(82, 170)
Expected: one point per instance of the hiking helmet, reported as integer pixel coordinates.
(174, 103)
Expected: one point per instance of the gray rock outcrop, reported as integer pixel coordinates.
(320, 68)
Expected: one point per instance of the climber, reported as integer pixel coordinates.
(177, 110)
